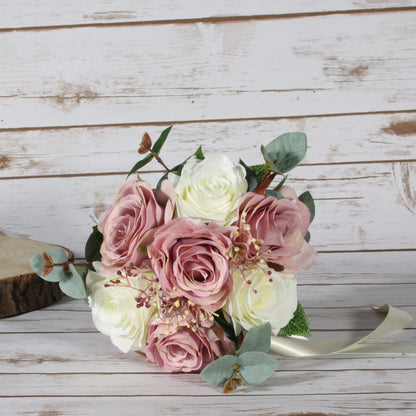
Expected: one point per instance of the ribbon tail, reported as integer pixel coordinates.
(395, 320)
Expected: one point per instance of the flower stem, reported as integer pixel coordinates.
(155, 155)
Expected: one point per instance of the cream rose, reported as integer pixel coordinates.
(114, 311)
(261, 295)
(209, 189)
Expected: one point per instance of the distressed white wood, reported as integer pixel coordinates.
(354, 206)
(384, 404)
(205, 71)
(343, 139)
(24, 13)
(125, 384)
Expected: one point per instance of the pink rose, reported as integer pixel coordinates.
(191, 259)
(131, 222)
(274, 229)
(181, 349)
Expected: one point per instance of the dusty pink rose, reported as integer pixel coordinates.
(131, 222)
(191, 259)
(273, 229)
(182, 349)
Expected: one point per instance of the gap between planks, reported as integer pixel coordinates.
(215, 19)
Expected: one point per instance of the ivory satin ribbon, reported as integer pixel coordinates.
(395, 320)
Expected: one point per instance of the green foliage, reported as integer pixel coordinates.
(250, 177)
(281, 183)
(257, 339)
(199, 154)
(251, 362)
(256, 367)
(307, 237)
(53, 266)
(307, 199)
(285, 152)
(272, 192)
(157, 147)
(298, 325)
(219, 371)
(93, 245)
(259, 171)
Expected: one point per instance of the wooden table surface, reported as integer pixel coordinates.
(82, 81)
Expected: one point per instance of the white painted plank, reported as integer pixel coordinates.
(385, 404)
(131, 384)
(354, 206)
(354, 138)
(239, 69)
(94, 353)
(24, 13)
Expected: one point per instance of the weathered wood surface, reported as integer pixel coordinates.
(45, 14)
(79, 85)
(182, 72)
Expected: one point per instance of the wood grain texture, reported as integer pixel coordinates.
(354, 206)
(338, 139)
(205, 71)
(27, 14)
(375, 404)
(21, 290)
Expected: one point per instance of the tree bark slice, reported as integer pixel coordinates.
(22, 290)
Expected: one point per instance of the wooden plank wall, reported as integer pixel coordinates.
(80, 82)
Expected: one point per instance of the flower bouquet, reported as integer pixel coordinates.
(198, 273)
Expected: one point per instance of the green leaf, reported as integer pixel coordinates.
(272, 192)
(307, 237)
(259, 171)
(199, 153)
(257, 339)
(250, 177)
(256, 367)
(219, 371)
(307, 199)
(285, 152)
(58, 255)
(157, 147)
(73, 284)
(298, 325)
(140, 164)
(93, 245)
(281, 183)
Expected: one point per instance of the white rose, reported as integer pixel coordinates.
(210, 188)
(260, 296)
(114, 311)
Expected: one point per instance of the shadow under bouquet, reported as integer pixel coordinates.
(198, 273)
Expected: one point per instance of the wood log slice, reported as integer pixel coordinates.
(22, 290)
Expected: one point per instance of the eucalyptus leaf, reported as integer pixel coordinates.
(157, 147)
(73, 284)
(285, 152)
(250, 177)
(58, 255)
(256, 339)
(307, 199)
(219, 371)
(93, 245)
(298, 325)
(256, 367)
(272, 192)
(281, 183)
(140, 164)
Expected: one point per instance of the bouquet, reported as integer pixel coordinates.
(199, 272)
